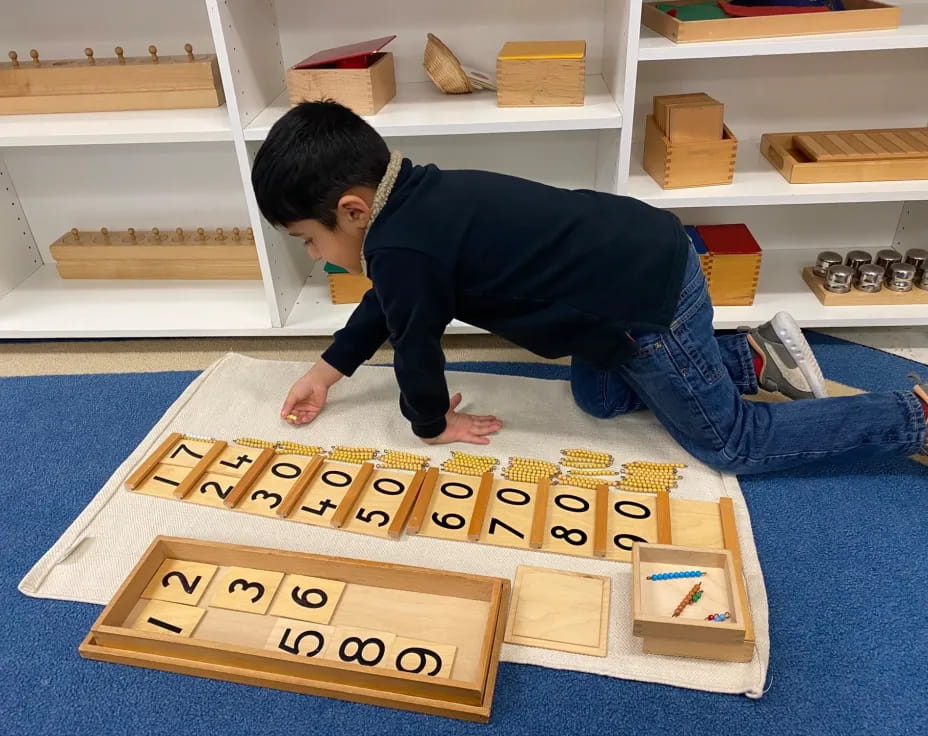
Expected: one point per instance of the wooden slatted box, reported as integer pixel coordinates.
(466, 613)
(689, 164)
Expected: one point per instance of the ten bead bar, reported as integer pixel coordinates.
(677, 574)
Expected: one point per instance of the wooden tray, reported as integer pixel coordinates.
(864, 145)
(857, 298)
(391, 635)
(861, 15)
(780, 149)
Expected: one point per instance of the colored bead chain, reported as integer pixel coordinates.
(687, 599)
(646, 477)
(357, 455)
(580, 455)
(295, 448)
(582, 481)
(528, 470)
(677, 574)
(199, 438)
(718, 616)
(463, 463)
(254, 442)
(402, 460)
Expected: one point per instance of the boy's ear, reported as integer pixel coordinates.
(353, 212)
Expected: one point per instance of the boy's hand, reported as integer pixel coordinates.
(307, 396)
(462, 427)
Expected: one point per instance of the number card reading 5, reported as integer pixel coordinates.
(307, 599)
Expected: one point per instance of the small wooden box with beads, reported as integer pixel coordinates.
(690, 602)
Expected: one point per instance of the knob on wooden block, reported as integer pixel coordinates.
(106, 234)
(251, 234)
(119, 54)
(201, 234)
(75, 235)
(131, 234)
(178, 234)
(35, 57)
(219, 234)
(236, 234)
(88, 52)
(189, 49)
(14, 58)
(154, 53)
(156, 233)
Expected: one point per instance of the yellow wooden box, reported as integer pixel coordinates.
(694, 164)
(163, 617)
(690, 634)
(365, 91)
(541, 74)
(348, 288)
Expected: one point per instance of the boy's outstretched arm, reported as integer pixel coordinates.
(355, 343)
(417, 297)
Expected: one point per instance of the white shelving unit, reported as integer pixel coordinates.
(187, 168)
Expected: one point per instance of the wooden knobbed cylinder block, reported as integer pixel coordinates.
(541, 74)
(364, 91)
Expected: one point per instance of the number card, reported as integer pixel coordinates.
(509, 515)
(180, 582)
(261, 501)
(571, 521)
(164, 617)
(282, 473)
(380, 502)
(632, 517)
(246, 589)
(234, 460)
(306, 598)
(422, 657)
(299, 637)
(325, 493)
(187, 453)
(211, 490)
(364, 647)
(164, 480)
(451, 508)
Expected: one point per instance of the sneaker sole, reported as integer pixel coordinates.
(795, 342)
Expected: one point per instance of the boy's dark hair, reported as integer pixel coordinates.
(314, 154)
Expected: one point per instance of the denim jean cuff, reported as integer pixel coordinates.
(912, 406)
(748, 384)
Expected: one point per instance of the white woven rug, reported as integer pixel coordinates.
(240, 396)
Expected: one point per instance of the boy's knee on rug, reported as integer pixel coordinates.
(595, 394)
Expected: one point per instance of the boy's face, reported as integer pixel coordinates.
(341, 246)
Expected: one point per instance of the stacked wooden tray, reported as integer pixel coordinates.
(887, 154)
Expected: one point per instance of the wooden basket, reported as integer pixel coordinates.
(444, 69)
(861, 15)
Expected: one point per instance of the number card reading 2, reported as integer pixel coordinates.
(245, 589)
(306, 598)
(180, 582)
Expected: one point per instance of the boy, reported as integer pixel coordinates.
(610, 281)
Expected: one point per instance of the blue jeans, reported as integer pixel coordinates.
(694, 382)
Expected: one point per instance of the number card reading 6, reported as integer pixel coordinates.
(245, 589)
(306, 598)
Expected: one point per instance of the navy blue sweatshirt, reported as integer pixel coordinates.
(558, 272)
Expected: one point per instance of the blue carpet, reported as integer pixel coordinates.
(842, 548)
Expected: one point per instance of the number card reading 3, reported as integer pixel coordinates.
(307, 599)
(299, 638)
(164, 617)
(245, 589)
(180, 582)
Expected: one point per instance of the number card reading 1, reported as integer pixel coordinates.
(164, 617)
(422, 657)
(211, 490)
(246, 589)
(571, 521)
(186, 453)
(379, 502)
(510, 511)
(364, 647)
(632, 517)
(299, 637)
(180, 581)
(325, 493)
(451, 507)
(306, 598)
(164, 480)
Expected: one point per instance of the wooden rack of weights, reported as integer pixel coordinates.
(157, 254)
(92, 84)
(312, 489)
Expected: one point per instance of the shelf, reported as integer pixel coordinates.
(46, 306)
(420, 109)
(781, 288)
(911, 34)
(314, 313)
(756, 182)
(133, 126)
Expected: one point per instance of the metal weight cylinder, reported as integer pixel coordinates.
(922, 281)
(838, 279)
(870, 278)
(901, 276)
(918, 257)
(888, 257)
(825, 260)
(857, 258)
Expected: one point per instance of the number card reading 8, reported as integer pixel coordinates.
(180, 582)
(325, 493)
(306, 598)
(571, 521)
(245, 589)
(451, 507)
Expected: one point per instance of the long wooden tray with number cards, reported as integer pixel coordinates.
(390, 635)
